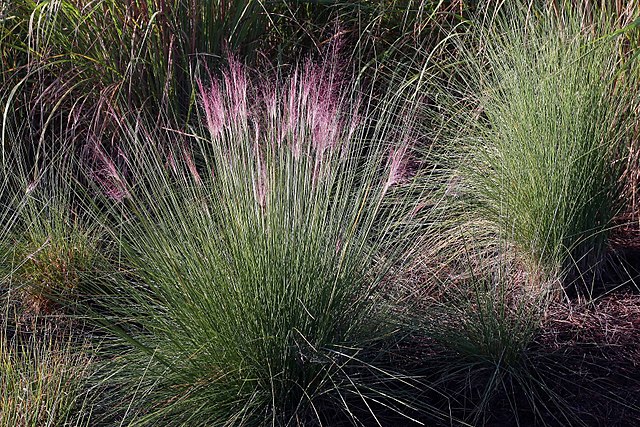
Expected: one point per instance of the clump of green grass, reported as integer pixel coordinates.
(258, 248)
(541, 124)
(490, 319)
(532, 131)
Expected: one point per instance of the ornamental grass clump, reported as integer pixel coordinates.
(539, 130)
(257, 246)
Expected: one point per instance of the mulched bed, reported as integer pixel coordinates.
(596, 350)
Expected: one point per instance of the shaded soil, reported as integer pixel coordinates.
(596, 351)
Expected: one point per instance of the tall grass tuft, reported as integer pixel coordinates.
(541, 120)
(258, 244)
